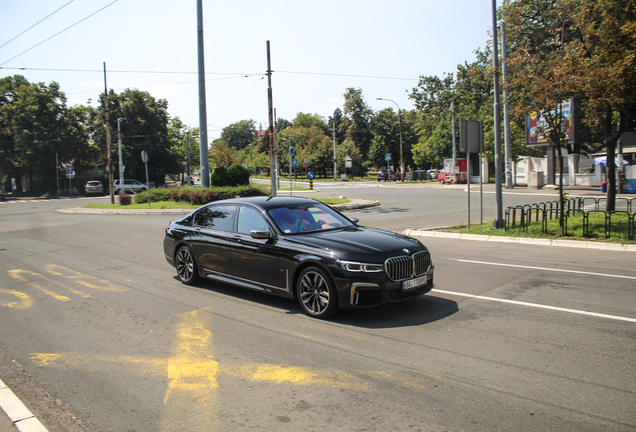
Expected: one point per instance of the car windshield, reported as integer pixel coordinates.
(303, 218)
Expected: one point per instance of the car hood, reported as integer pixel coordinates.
(359, 243)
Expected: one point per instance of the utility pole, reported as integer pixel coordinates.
(499, 221)
(121, 163)
(188, 150)
(203, 120)
(453, 126)
(335, 165)
(508, 143)
(110, 159)
(273, 153)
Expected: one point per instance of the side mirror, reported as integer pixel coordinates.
(260, 234)
(354, 220)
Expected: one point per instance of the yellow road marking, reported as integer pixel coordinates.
(25, 303)
(84, 279)
(19, 275)
(191, 399)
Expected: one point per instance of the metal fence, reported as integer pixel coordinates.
(538, 214)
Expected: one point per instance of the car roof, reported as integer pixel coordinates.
(267, 202)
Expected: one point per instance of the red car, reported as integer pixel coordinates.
(445, 177)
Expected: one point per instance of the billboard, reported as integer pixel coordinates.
(537, 125)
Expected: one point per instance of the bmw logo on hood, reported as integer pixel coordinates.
(406, 251)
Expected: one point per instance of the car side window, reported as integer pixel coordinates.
(250, 219)
(216, 217)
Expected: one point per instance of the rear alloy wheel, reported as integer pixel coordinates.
(186, 266)
(316, 293)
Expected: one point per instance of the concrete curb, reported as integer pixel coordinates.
(523, 240)
(344, 207)
(19, 414)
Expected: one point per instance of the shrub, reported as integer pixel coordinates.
(242, 191)
(156, 195)
(238, 175)
(220, 177)
(125, 199)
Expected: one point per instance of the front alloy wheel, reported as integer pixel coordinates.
(186, 266)
(316, 293)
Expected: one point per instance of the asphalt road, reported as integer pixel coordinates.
(97, 334)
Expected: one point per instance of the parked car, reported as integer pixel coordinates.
(386, 175)
(93, 187)
(130, 186)
(433, 174)
(297, 248)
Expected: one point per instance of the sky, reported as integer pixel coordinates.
(318, 49)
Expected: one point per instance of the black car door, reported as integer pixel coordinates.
(255, 260)
(211, 232)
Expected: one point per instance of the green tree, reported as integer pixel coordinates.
(222, 154)
(309, 120)
(606, 65)
(180, 134)
(240, 134)
(576, 48)
(378, 151)
(144, 126)
(358, 116)
(35, 123)
(338, 121)
(350, 149)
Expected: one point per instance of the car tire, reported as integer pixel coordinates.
(186, 266)
(316, 293)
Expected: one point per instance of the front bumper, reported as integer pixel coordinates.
(373, 291)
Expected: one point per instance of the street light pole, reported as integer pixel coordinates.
(400, 122)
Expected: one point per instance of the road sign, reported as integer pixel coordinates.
(387, 157)
(69, 168)
(292, 151)
(310, 175)
(144, 156)
(306, 160)
(294, 162)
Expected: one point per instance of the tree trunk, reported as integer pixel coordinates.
(610, 144)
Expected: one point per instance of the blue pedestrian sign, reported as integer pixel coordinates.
(310, 175)
(294, 162)
(387, 157)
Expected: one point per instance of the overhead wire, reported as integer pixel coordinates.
(48, 16)
(239, 99)
(58, 33)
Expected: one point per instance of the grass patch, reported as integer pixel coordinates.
(596, 223)
(333, 201)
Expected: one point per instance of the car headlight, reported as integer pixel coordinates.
(357, 267)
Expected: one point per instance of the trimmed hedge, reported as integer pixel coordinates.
(198, 196)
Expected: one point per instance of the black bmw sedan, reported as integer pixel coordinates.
(297, 248)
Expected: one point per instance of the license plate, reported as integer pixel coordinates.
(414, 283)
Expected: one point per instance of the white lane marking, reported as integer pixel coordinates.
(549, 269)
(538, 306)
